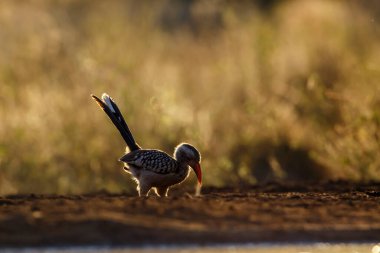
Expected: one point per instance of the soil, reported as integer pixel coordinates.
(327, 212)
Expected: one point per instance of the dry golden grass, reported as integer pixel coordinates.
(288, 90)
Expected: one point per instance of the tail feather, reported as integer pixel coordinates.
(115, 109)
(108, 101)
(113, 112)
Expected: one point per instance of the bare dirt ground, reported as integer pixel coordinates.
(329, 212)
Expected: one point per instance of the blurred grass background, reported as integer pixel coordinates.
(267, 90)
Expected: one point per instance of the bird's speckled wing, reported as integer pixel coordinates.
(153, 160)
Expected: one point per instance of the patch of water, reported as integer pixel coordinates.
(248, 248)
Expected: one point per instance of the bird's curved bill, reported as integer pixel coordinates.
(198, 171)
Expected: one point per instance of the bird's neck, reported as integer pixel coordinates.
(181, 160)
(183, 170)
(183, 164)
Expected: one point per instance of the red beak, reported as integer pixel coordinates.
(198, 171)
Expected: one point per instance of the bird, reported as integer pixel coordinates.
(152, 168)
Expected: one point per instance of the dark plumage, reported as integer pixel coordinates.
(151, 159)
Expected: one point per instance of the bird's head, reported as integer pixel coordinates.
(187, 154)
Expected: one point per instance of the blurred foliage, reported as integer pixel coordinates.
(267, 90)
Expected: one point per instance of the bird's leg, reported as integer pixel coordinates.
(143, 190)
(162, 191)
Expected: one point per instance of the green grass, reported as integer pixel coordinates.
(288, 91)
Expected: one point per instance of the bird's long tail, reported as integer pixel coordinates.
(113, 112)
